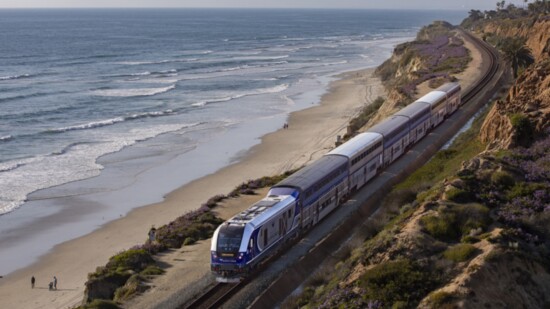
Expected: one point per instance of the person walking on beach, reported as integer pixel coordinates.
(33, 280)
(54, 282)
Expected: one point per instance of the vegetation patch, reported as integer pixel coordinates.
(458, 195)
(441, 227)
(439, 299)
(100, 304)
(524, 132)
(133, 286)
(460, 252)
(437, 52)
(453, 222)
(444, 163)
(152, 270)
(397, 282)
(363, 118)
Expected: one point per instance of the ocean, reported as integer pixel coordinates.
(84, 92)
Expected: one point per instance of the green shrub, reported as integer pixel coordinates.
(521, 189)
(133, 259)
(397, 281)
(472, 216)
(189, 241)
(456, 221)
(438, 299)
(152, 270)
(460, 252)
(442, 227)
(458, 195)
(502, 179)
(305, 297)
(101, 304)
(523, 128)
(131, 287)
(364, 116)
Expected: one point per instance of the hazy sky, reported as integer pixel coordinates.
(366, 4)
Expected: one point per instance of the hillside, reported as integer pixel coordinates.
(436, 56)
(472, 227)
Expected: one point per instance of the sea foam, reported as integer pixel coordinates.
(74, 162)
(138, 92)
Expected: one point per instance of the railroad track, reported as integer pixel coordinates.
(214, 297)
(494, 67)
(220, 293)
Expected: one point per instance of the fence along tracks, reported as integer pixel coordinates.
(220, 293)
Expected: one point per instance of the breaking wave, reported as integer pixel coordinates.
(139, 92)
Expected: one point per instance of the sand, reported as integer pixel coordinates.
(312, 132)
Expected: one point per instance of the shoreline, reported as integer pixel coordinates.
(71, 261)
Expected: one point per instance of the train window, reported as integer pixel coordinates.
(289, 213)
(229, 238)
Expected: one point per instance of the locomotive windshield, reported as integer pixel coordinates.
(229, 238)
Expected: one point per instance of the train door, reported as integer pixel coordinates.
(316, 213)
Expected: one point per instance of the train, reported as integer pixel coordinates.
(300, 201)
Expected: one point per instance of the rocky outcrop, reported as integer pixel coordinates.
(526, 282)
(537, 33)
(529, 98)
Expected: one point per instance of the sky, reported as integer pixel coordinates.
(363, 4)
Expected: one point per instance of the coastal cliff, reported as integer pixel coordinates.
(471, 228)
(525, 113)
(436, 56)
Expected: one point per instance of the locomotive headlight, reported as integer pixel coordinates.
(241, 256)
(214, 255)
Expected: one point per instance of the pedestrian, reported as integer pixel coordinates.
(33, 280)
(50, 286)
(54, 282)
(152, 234)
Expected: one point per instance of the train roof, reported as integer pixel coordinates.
(449, 88)
(260, 210)
(432, 97)
(389, 125)
(311, 174)
(414, 109)
(356, 144)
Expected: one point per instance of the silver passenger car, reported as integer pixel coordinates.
(395, 130)
(364, 154)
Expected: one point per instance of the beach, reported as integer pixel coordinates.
(311, 133)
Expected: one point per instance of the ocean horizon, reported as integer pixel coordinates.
(122, 106)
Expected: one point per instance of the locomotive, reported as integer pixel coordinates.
(300, 201)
